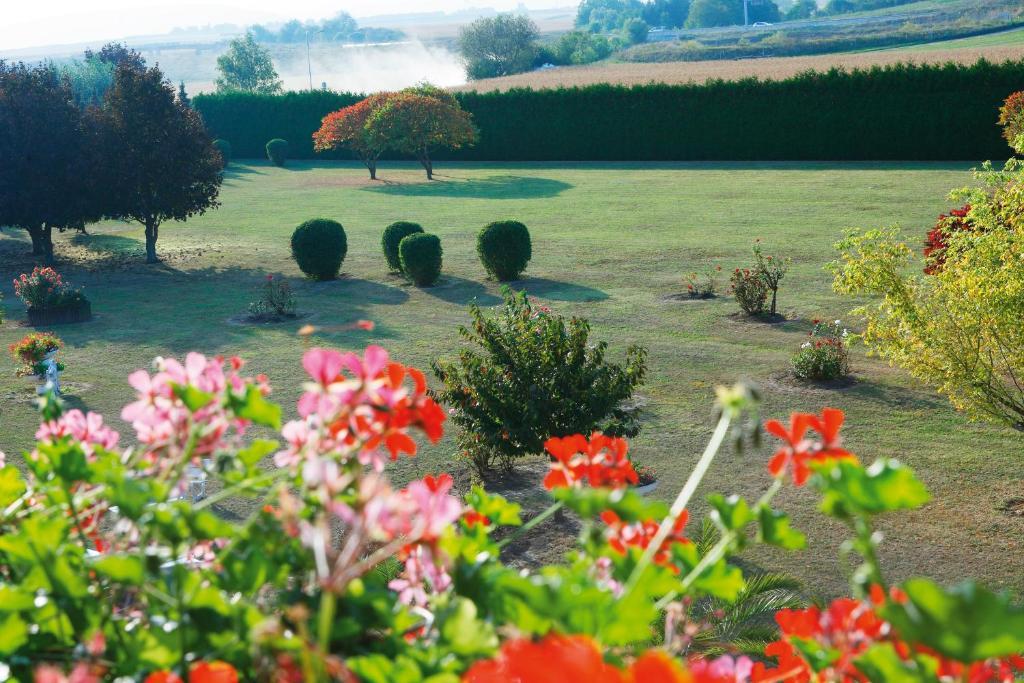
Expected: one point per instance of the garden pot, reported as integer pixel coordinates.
(646, 488)
(63, 315)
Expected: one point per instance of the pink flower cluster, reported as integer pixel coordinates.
(165, 424)
(85, 428)
(359, 407)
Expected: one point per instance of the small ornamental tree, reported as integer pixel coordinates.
(534, 375)
(159, 159)
(771, 270)
(419, 120)
(957, 328)
(48, 156)
(348, 128)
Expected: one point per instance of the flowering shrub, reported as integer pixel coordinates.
(1011, 118)
(336, 575)
(750, 290)
(771, 270)
(958, 328)
(45, 289)
(534, 375)
(275, 300)
(705, 288)
(825, 355)
(32, 350)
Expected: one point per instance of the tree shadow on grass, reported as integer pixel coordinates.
(106, 242)
(558, 291)
(492, 187)
(457, 290)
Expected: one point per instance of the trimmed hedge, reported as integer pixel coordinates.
(901, 112)
(277, 151)
(319, 247)
(421, 258)
(505, 249)
(392, 237)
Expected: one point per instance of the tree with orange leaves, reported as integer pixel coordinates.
(347, 128)
(418, 120)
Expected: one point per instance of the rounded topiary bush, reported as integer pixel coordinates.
(277, 151)
(504, 249)
(319, 247)
(420, 254)
(224, 147)
(392, 237)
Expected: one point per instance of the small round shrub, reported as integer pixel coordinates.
(319, 247)
(392, 237)
(420, 254)
(825, 355)
(277, 151)
(224, 147)
(504, 249)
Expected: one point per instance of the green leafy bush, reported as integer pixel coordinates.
(825, 355)
(224, 147)
(750, 290)
(534, 375)
(277, 151)
(393, 235)
(319, 247)
(504, 248)
(420, 254)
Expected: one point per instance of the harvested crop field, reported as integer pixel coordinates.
(771, 68)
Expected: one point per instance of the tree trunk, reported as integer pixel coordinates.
(48, 244)
(152, 232)
(428, 165)
(36, 233)
(372, 166)
(775, 294)
(42, 242)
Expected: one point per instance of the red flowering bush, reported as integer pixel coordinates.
(31, 350)
(44, 289)
(750, 290)
(937, 241)
(108, 573)
(702, 287)
(825, 355)
(275, 300)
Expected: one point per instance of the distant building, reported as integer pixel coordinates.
(662, 33)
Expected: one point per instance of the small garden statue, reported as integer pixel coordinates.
(50, 374)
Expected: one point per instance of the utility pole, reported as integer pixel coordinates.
(309, 64)
(746, 19)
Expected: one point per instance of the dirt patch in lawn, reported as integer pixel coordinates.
(1014, 507)
(785, 381)
(684, 298)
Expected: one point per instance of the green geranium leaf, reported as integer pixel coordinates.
(193, 398)
(884, 486)
(774, 529)
(495, 508)
(12, 486)
(464, 633)
(881, 662)
(259, 449)
(381, 669)
(815, 654)
(121, 568)
(732, 513)
(13, 634)
(253, 406)
(626, 503)
(967, 622)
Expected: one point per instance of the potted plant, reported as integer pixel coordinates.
(647, 479)
(37, 353)
(50, 300)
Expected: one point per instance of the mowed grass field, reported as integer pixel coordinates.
(768, 68)
(610, 242)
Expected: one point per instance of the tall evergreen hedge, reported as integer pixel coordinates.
(900, 112)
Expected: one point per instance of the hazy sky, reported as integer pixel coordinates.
(28, 23)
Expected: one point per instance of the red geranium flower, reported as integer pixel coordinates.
(601, 461)
(213, 672)
(799, 451)
(622, 535)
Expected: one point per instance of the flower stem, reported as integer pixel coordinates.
(682, 500)
(552, 509)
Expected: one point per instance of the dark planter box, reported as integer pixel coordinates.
(78, 313)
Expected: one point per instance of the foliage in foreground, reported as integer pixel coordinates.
(106, 572)
(532, 375)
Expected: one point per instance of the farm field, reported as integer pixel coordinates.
(611, 241)
(769, 68)
(1001, 39)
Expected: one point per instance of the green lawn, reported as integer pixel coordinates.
(1009, 38)
(610, 241)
